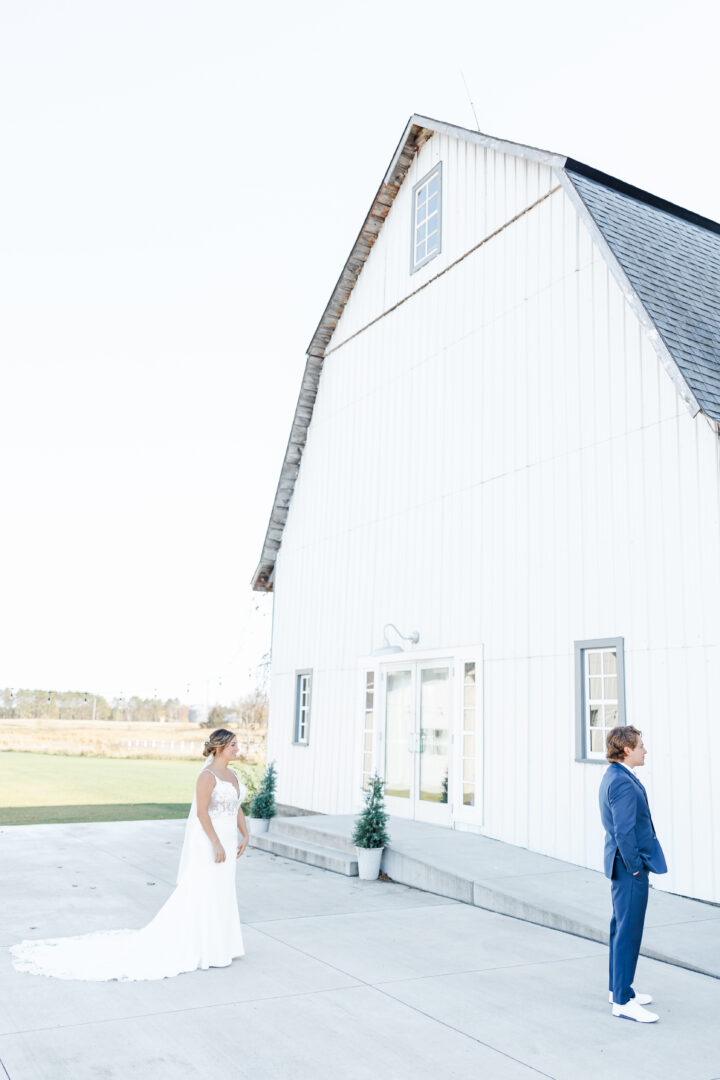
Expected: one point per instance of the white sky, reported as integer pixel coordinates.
(181, 183)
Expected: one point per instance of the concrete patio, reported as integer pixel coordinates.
(509, 880)
(342, 979)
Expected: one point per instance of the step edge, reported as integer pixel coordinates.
(311, 849)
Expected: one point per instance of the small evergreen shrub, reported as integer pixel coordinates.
(262, 804)
(252, 786)
(371, 826)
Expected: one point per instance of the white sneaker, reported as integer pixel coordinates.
(632, 1011)
(639, 999)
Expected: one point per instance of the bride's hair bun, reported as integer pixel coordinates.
(219, 738)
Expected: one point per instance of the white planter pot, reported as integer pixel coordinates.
(369, 860)
(258, 825)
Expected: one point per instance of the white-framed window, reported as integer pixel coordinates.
(368, 728)
(427, 219)
(303, 687)
(599, 694)
(469, 734)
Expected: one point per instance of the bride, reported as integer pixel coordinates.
(199, 925)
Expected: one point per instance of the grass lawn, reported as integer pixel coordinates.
(42, 788)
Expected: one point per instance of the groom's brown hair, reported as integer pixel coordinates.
(618, 739)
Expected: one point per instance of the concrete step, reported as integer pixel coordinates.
(419, 873)
(314, 854)
(314, 830)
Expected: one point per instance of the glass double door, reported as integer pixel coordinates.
(418, 709)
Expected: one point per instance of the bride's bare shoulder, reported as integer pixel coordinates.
(206, 779)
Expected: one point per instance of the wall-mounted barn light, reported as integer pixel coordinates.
(386, 649)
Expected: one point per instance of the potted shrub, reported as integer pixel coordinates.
(371, 836)
(262, 805)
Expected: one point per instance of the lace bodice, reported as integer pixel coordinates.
(224, 799)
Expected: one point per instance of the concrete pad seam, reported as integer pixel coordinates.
(333, 967)
(377, 987)
(482, 970)
(683, 922)
(465, 1034)
(360, 911)
(371, 986)
(2, 1066)
(186, 1009)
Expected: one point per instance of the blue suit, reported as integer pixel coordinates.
(631, 850)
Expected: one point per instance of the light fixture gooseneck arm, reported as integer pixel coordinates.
(414, 637)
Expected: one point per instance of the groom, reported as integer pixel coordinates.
(631, 850)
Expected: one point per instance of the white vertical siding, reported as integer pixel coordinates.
(482, 190)
(502, 459)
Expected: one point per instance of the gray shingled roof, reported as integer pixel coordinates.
(672, 259)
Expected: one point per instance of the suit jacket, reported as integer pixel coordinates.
(629, 829)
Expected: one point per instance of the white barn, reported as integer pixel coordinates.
(507, 445)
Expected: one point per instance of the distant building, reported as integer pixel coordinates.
(507, 440)
(197, 714)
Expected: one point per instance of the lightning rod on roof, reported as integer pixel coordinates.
(467, 90)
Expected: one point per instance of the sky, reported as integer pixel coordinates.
(182, 181)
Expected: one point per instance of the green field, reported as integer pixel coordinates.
(42, 788)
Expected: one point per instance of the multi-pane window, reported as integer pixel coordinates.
(368, 728)
(427, 218)
(469, 734)
(303, 684)
(600, 693)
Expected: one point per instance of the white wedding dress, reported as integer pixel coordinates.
(197, 927)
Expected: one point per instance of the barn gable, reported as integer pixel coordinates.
(666, 259)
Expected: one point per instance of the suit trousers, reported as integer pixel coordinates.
(629, 901)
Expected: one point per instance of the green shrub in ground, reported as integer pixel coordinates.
(371, 826)
(262, 805)
(252, 782)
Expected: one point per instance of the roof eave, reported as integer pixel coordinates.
(413, 137)
(479, 138)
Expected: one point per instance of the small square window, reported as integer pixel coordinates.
(599, 695)
(426, 219)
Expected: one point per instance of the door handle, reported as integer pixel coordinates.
(414, 742)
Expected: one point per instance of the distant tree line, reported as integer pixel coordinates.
(82, 705)
(250, 711)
